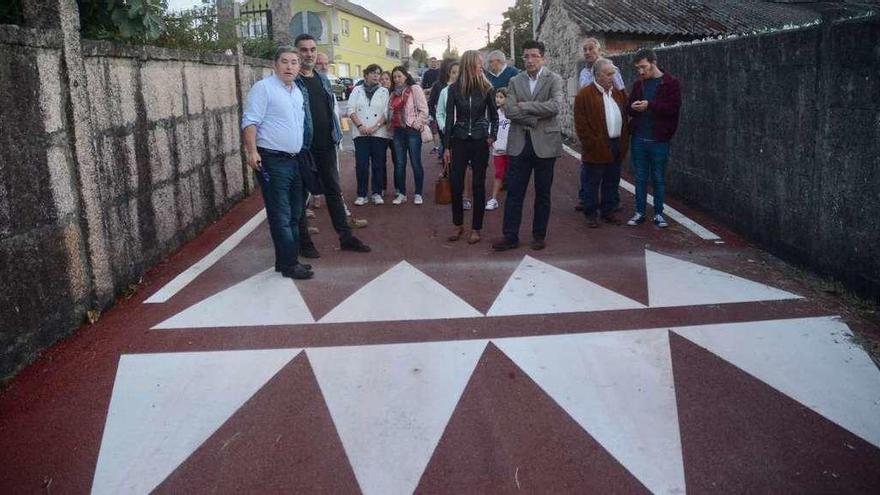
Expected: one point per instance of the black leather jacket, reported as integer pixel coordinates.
(470, 117)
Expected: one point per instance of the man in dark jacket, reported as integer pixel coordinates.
(654, 107)
(499, 73)
(325, 135)
(430, 76)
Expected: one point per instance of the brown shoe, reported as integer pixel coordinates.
(592, 222)
(474, 237)
(357, 223)
(538, 244)
(503, 244)
(456, 234)
(611, 218)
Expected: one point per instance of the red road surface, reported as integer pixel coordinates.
(617, 360)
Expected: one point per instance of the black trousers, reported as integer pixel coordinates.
(325, 160)
(599, 183)
(519, 173)
(476, 153)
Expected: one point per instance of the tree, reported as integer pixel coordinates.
(130, 20)
(420, 57)
(520, 18)
(453, 53)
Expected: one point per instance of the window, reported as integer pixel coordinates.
(378, 38)
(346, 29)
(357, 71)
(342, 69)
(366, 33)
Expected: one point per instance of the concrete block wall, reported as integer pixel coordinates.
(780, 138)
(44, 273)
(111, 157)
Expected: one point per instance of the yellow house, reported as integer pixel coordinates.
(352, 36)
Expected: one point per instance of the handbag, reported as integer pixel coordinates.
(443, 188)
(427, 135)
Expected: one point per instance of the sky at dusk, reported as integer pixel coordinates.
(430, 21)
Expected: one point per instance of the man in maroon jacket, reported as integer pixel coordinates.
(654, 105)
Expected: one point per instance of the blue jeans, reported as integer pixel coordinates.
(283, 197)
(649, 158)
(369, 155)
(408, 141)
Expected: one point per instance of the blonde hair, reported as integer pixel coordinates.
(469, 80)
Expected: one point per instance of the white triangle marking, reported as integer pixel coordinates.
(165, 405)
(619, 387)
(401, 293)
(811, 360)
(538, 288)
(267, 298)
(391, 403)
(673, 282)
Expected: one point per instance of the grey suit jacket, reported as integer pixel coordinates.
(536, 113)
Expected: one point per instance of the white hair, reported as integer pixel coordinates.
(600, 64)
(593, 40)
(496, 55)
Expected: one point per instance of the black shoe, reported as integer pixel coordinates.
(283, 269)
(354, 244)
(299, 272)
(611, 218)
(579, 207)
(309, 251)
(591, 221)
(504, 244)
(538, 244)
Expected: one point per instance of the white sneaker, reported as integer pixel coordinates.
(660, 221)
(417, 199)
(377, 200)
(637, 219)
(360, 201)
(399, 199)
(466, 204)
(492, 204)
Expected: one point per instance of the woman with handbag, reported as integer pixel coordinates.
(367, 109)
(408, 111)
(471, 128)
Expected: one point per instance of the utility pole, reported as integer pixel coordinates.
(448, 44)
(512, 46)
(488, 33)
(536, 17)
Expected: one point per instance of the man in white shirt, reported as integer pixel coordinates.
(593, 52)
(273, 128)
(600, 122)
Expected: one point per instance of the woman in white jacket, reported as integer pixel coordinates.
(367, 108)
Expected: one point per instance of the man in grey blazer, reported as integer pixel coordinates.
(533, 143)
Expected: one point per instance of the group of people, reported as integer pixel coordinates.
(291, 132)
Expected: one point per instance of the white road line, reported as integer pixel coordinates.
(190, 274)
(671, 212)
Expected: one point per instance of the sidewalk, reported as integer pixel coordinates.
(618, 359)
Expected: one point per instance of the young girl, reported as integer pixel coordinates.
(499, 148)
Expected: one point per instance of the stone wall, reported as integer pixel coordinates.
(112, 157)
(780, 139)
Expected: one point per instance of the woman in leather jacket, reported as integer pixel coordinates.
(471, 128)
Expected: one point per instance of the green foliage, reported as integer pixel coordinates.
(10, 12)
(453, 53)
(122, 20)
(259, 48)
(520, 18)
(196, 29)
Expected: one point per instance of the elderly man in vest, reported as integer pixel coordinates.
(600, 122)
